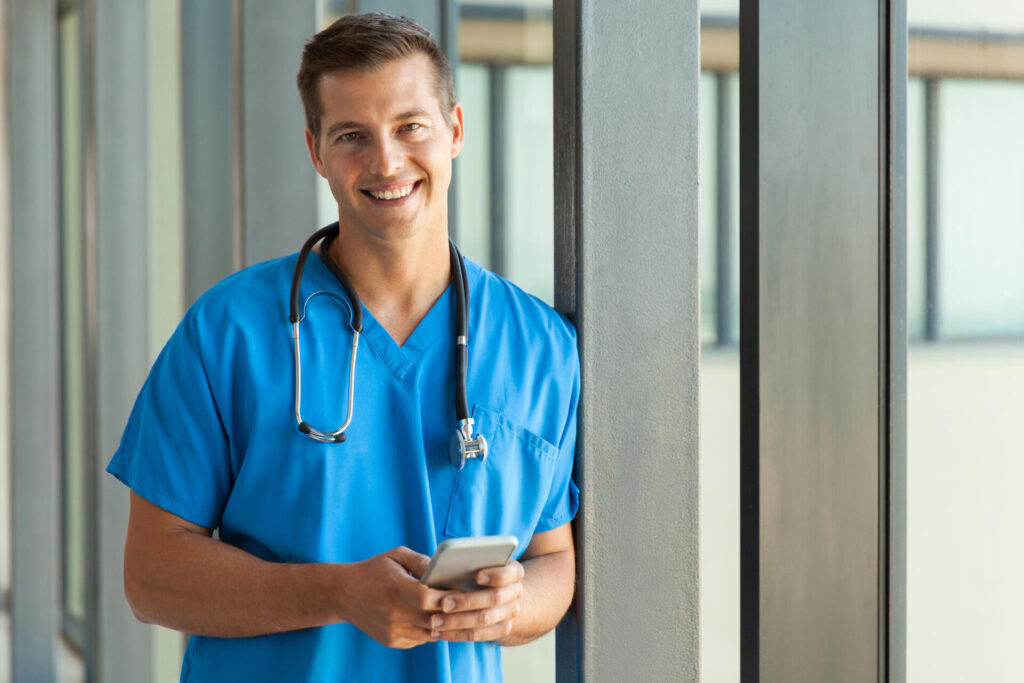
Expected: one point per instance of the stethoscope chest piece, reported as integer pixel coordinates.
(464, 445)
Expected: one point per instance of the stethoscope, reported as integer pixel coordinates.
(464, 444)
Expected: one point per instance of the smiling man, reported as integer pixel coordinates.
(322, 535)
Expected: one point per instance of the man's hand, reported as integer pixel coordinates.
(382, 596)
(485, 614)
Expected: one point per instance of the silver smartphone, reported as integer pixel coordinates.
(457, 560)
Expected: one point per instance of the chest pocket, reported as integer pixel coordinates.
(506, 493)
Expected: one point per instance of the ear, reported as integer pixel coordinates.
(458, 131)
(314, 156)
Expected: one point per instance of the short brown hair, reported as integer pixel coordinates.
(368, 41)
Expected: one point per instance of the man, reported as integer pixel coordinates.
(314, 572)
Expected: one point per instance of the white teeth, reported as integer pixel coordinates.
(393, 194)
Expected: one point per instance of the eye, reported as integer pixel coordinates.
(411, 126)
(348, 137)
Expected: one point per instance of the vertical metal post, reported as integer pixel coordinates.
(750, 342)
(497, 163)
(278, 181)
(448, 36)
(5, 321)
(932, 126)
(208, 91)
(626, 268)
(30, 41)
(895, 267)
(119, 79)
(823, 327)
(724, 333)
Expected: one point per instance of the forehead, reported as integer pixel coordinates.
(384, 91)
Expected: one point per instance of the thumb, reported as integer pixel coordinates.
(414, 562)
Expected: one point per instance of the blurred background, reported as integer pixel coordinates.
(196, 108)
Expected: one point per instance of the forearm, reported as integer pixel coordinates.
(548, 584)
(196, 584)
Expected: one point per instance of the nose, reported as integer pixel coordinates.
(387, 157)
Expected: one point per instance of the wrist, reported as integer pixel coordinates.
(337, 588)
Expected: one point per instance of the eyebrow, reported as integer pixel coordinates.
(411, 114)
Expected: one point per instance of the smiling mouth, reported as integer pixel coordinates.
(393, 194)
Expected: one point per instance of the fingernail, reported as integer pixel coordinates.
(484, 578)
(449, 605)
(435, 634)
(436, 622)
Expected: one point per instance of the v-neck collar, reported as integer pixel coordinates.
(398, 359)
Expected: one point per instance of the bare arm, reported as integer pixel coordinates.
(176, 575)
(525, 600)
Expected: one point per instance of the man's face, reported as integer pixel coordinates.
(386, 149)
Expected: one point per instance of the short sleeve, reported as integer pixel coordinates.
(563, 500)
(174, 451)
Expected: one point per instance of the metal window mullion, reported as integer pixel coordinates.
(90, 306)
(723, 211)
(898, 323)
(209, 89)
(749, 343)
(498, 160)
(119, 120)
(932, 127)
(278, 182)
(32, 85)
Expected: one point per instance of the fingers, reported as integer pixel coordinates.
(414, 562)
(411, 592)
(478, 616)
(403, 635)
(481, 599)
(512, 572)
(457, 625)
(496, 632)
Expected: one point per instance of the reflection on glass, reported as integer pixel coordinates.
(966, 370)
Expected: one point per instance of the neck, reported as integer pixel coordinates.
(398, 282)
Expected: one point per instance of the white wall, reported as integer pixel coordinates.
(965, 597)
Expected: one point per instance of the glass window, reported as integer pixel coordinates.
(964, 433)
(719, 372)
(708, 208)
(980, 208)
(916, 209)
(473, 165)
(529, 179)
(504, 177)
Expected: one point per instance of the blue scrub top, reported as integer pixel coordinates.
(213, 439)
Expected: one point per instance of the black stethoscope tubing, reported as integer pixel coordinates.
(464, 442)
